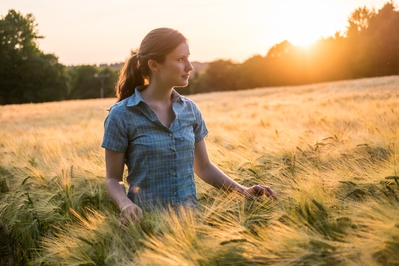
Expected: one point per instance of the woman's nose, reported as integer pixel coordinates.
(189, 66)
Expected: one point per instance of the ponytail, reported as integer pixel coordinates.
(129, 78)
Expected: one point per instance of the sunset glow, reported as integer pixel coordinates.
(304, 22)
(94, 32)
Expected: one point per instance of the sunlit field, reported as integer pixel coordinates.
(330, 151)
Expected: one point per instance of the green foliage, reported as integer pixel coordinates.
(84, 82)
(26, 74)
(220, 75)
(41, 207)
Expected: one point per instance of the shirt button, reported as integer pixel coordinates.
(170, 134)
(173, 173)
(174, 193)
(173, 153)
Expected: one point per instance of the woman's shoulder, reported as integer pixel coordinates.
(119, 107)
(184, 99)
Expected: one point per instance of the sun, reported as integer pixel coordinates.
(304, 22)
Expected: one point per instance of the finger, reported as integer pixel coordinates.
(132, 212)
(257, 190)
(139, 213)
(123, 222)
(249, 194)
(135, 214)
(270, 193)
(125, 219)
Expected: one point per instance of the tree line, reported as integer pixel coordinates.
(27, 75)
(368, 48)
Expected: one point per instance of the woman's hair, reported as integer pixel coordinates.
(155, 45)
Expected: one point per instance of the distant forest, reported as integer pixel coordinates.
(368, 48)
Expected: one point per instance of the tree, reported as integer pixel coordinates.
(383, 48)
(220, 75)
(26, 73)
(84, 82)
(373, 41)
(359, 21)
(110, 81)
(280, 49)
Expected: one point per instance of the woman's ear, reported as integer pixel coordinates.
(153, 65)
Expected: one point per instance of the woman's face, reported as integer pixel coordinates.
(175, 70)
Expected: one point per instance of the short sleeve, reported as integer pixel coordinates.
(200, 129)
(115, 133)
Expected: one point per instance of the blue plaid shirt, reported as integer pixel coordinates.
(159, 159)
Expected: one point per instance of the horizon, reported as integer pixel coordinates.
(90, 33)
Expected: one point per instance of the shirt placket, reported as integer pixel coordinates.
(173, 185)
(173, 168)
(174, 157)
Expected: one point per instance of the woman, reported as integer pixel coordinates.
(158, 133)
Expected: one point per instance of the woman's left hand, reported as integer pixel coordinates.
(256, 192)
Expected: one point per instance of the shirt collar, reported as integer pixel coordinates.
(136, 98)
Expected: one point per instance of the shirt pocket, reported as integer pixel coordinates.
(186, 133)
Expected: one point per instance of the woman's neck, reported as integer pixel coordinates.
(160, 101)
(156, 93)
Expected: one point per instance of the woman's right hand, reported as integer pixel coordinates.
(130, 213)
(114, 162)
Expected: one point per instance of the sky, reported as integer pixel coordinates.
(93, 32)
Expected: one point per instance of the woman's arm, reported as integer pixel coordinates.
(114, 162)
(208, 172)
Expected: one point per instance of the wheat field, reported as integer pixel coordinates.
(329, 150)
